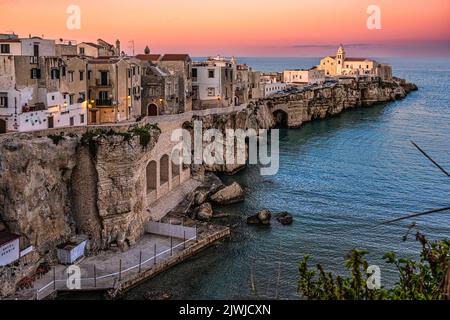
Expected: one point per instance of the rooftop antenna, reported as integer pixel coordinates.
(131, 42)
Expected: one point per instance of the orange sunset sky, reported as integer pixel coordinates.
(242, 27)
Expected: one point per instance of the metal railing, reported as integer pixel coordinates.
(93, 280)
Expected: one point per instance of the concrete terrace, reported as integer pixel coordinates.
(116, 271)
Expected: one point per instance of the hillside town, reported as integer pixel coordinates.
(48, 83)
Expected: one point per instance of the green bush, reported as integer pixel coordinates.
(425, 279)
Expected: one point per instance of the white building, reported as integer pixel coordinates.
(214, 83)
(11, 45)
(302, 76)
(31, 96)
(272, 88)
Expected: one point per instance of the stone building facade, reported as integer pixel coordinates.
(160, 91)
(114, 91)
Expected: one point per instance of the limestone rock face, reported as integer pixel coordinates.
(34, 185)
(229, 195)
(51, 191)
(257, 116)
(322, 102)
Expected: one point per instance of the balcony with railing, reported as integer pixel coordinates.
(103, 83)
(103, 102)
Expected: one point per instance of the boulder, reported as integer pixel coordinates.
(205, 212)
(285, 218)
(262, 218)
(200, 197)
(229, 195)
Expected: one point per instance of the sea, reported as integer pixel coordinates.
(340, 178)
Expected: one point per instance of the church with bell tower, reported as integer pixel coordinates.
(341, 65)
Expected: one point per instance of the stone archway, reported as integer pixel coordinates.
(3, 126)
(176, 167)
(164, 170)
(151, 178)
(281, 118)
(152, 110)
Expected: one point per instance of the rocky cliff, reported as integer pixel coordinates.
(320, 102)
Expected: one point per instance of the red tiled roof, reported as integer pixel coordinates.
(148, 57)
(175, 57)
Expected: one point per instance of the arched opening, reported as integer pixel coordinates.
(176, 167)
(164, 170)
(281, 118)
(2, 126)
(152, 110)
(151, 177)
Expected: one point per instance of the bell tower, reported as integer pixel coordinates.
(340, 59)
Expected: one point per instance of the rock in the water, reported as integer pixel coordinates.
(205, 212)
(285, 218)
(261, 219)
(229, 195)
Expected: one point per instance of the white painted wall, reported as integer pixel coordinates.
(204, 82)
(46, 47)
(272, 88)
(15, 49)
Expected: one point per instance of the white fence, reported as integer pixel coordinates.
(170, 230)
(92, 279)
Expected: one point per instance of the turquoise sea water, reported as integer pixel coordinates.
(340, 178)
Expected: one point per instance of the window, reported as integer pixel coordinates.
(89, 74)
(72, 122)
(71, 76)
(194, 72)
(103, 95)
(104, 78)
(81, 118)
(3, 100)
(35, 73)
(211, 74)
(54, 74)
(82, 51)
(81, 75)
(82, 97)
(5, 48)
(211, 92)
(63, 71)
(71, 98)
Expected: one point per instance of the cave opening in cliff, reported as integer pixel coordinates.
(281, 118)
(151, 177)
